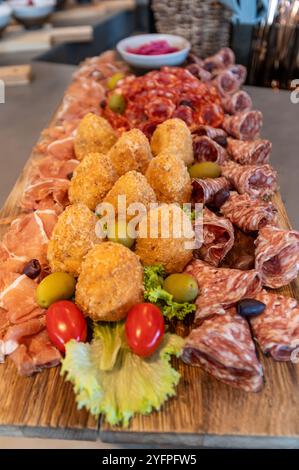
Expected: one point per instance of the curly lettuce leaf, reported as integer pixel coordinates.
(130, 385)
(154, 292)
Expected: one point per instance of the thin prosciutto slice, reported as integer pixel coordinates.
(243, 126)
(207, 150)
(204, 190)
(255, 180)
(218, 238)
(277, 256)
(237, 103)
(276, 330)
(249, 214)
(62, 149)
(49, 167)
(223, 347)
(221, 288)
(50, 193)
(255, 152)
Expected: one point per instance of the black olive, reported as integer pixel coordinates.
(250, 307)
(32, 269)
(69, 175)
(220, 197)
(103, 104)
(221, 140)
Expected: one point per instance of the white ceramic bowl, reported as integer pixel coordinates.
(5, 16)
(31, 15)
(154, 61)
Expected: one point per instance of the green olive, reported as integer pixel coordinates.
(118, 233)
(56, 286)
(117, 103)
(205, 170)
(183, 287)
(114, 79)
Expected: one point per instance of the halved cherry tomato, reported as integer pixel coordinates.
(144, 328)
(64, 322)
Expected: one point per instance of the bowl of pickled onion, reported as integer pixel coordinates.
(151, 51)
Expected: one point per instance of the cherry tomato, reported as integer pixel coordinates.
(144, 328)
(64, 322)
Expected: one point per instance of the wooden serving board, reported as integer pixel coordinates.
(205, 412)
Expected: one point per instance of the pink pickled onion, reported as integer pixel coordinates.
(153, 48)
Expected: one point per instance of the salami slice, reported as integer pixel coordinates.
(223, 59)
(212, 132)
(223, 347)
(221, 288)
(237, 103)
(249, 214)
(255, 180)
(239, 71)
(218, 238)
(199, 72)
(243, 126)
(226, 83)
(252, 152)
(277, 256)
(204, 190)
(207, 150)
(277, 329)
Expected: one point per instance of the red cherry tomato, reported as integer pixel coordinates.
(144, 328)
(64, 322)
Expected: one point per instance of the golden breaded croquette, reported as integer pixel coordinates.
(174, 136)
(165, 247)
(131, 152)
(92, 179)
(169, 178)
(110, 282)
(73, 236)
(135, 187)
(94, 134)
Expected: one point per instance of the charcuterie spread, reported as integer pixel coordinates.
(181, 145)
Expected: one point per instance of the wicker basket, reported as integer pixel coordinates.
(205, 23)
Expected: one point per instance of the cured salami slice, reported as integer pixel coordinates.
(257, 181)
(221, 288)
(223, 59)
(243, 126)
(237, 103)
(204, 190)
(207, 150)
(249, 214)
(277, 256)
(226, 83)
(199, 72)
(212, 132)
(223, 347)
(242, 254)
(252, 152)
(277, 329)
(218, 238)
(239, 71)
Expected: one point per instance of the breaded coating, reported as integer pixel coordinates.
(110, 282)
(169, 178)
(92, 179)
(173, 135)
(131, 152)
(135, 187)
(162, 240)
(73, 236)
(94, 134)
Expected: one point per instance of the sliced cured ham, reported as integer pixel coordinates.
(243, 126)
(276, 330)
(277, 256)
(255, 180)
(237, 103)
(62, 149)
(49, 167)
(218, 238)
(221, 288)
(249, 214)
(50, 193)
(204, 190)
(223, 347)
(55, 133)
(254, 152)
(207, 150)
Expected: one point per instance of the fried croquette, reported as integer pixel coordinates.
(94, 134)
(169, 178)
(92, 179)
(173, 135)
(165, 237)
(135, 188)
(110, 282)
(131, 152)
(73, 236)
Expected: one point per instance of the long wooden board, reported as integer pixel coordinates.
(204, 413)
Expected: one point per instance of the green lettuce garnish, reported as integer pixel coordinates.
(154, 292)
(109, 379)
